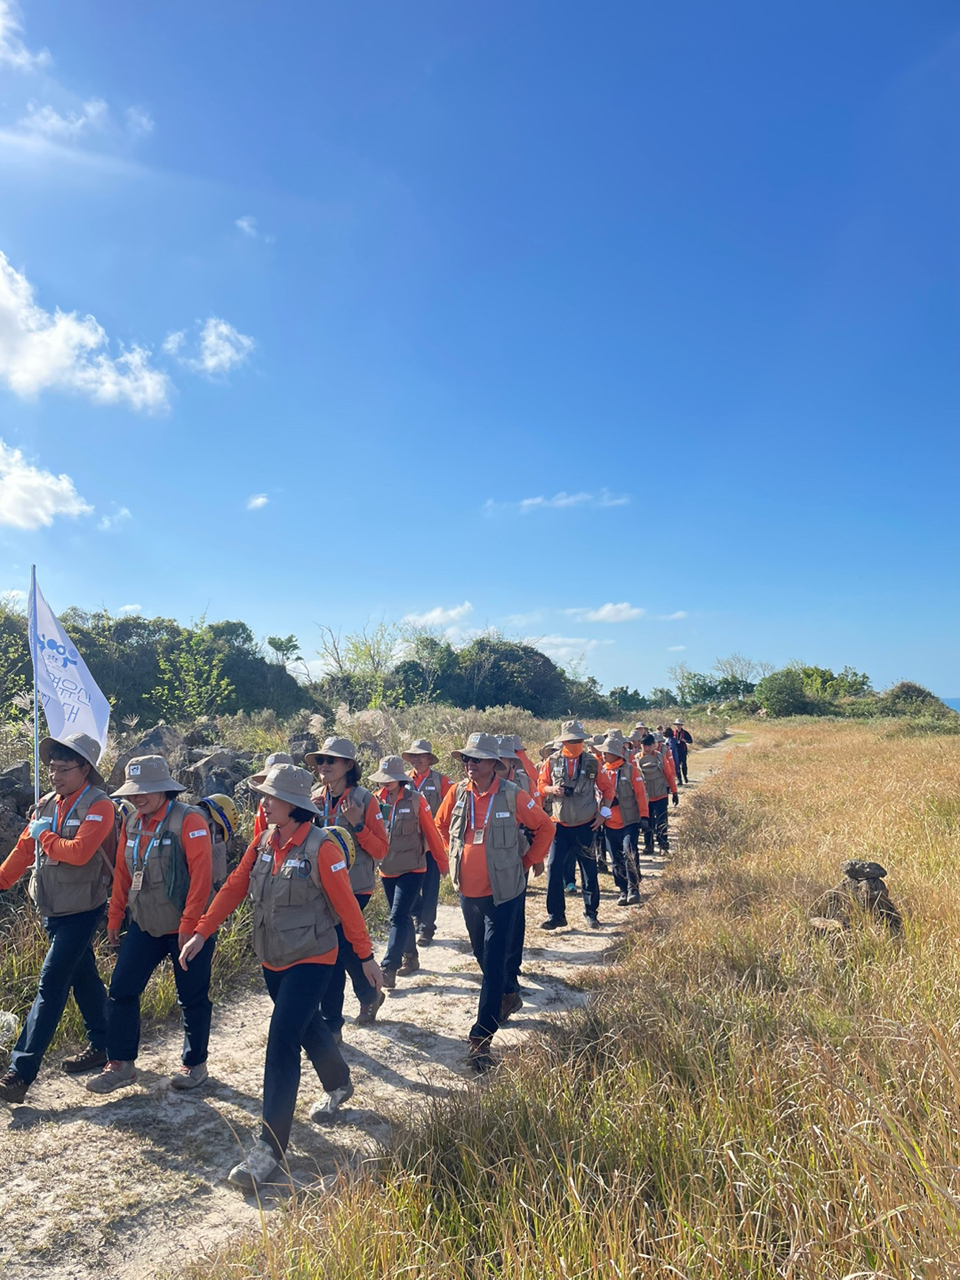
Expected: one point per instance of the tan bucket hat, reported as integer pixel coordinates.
(572, 731)
(341, 747)
(508, 747)
(290, 783)
(391, 770)
(481, 746)
(613, 744)
(275, 757)
(420, 747)
(548, 749)
(83, 745)
(147, 774)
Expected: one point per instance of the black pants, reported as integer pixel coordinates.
(658, 826)
(622, 846)
(578, 842)
(347, 961)
(492, 931)
(515, 949)
(425, 907)
(682, 766)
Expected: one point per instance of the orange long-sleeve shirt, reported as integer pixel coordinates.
(373, 838)
(474, 875)
(76, 849)
(615, 821)
(428, 829)
(331, 875)
(571, 751)
(532, 772)
(195, 839)
(260, 822)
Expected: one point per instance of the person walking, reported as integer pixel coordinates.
(684, 743)
(341, 801)
(260, 823)
(433, 786)
(670, 744)
(572, 778)
(628, 810)
(70, 843)
(660, 783)
(479, 822)
(411, 836)
(162, 880)
(297, 877)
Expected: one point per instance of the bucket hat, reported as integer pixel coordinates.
(290, 783)
(419, 747)
(341, 747)
(679, 720)
(146, 774)
(507, 746)
(572, 731)
(275, 757)
(391, 770)
(481, 746)
(614, 744)
(83, 745)
(548, 749)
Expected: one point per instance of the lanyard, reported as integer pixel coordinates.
(56, 825)
(422, 781)
(486, 820)
(337, 802)
(137, 865)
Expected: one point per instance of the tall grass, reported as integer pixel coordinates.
(741, 1097)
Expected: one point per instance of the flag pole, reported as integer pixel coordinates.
(36, 705)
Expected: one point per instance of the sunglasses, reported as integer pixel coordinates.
(328, 759)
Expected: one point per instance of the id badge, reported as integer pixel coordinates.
(136, 884)
(478, 837)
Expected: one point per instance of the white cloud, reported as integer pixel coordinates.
(565, 648)
(127, 610)
(68, 352)
(139, 122)
(220, 347)
(108, 524)
(251, 229)
(440, 617)
(13, 52)
(31, 498)
(522, 619)
(676, 648)
(672, 617)
(15, 596)
(559, 501)
(256, 501)
(92, 117)
(623, 612)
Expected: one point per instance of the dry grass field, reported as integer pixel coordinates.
(742, 1097)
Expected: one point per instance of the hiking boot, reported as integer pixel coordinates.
(424, 937)
(633, 899)
(368, 1012)
(258, 1168)
(389, 979)
(13, 1087)
(623, 900)
(325, 1109)
(553, 922)
(592, 921)
(113, 1076)
(570, 888)
(90, 1059)
(410, 964)
(510, 1003)
(189, 1077)
(479, 1056)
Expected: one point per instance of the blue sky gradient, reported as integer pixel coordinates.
(692, 267)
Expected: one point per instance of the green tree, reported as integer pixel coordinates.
(16, 679)
(192, 683)
(662, 697)
(782, 693)
(693, 687)
(628, 700)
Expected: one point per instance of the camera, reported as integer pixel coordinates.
(568, 791)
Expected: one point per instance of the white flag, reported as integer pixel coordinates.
(71, 699)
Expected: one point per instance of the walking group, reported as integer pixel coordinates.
(156, 867)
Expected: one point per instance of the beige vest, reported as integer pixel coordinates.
(60, 889)
(292, 916)
(581, 806)
(654, 778)
(522, 780)
(408, 850)
(501, 845)
(363, 877)
(629, 809)
(158, 905)
(430, 790)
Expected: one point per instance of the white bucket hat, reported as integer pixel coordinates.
(391, 770)
(145, 775)
(341, 747)
(290, 783)
(83, 745)
(419, 747)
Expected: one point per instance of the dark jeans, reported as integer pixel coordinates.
(140, 954)
(578, 843)
(425, 907)
(347, 961)
(297, 994)
(514, 958)
(69, 965)
(401, 893)
(682, 766)
(492, 933)
(622, 845)
(658, 826)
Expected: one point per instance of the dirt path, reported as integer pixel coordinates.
(134, 1184)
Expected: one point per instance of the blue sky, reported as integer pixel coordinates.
(633, 327)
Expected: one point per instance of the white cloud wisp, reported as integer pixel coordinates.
(220, 348)
(13, 52)
(565, 649)
(31, 498)
(623, 612)
(257, 501)
(559, 502)
(440, 617)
